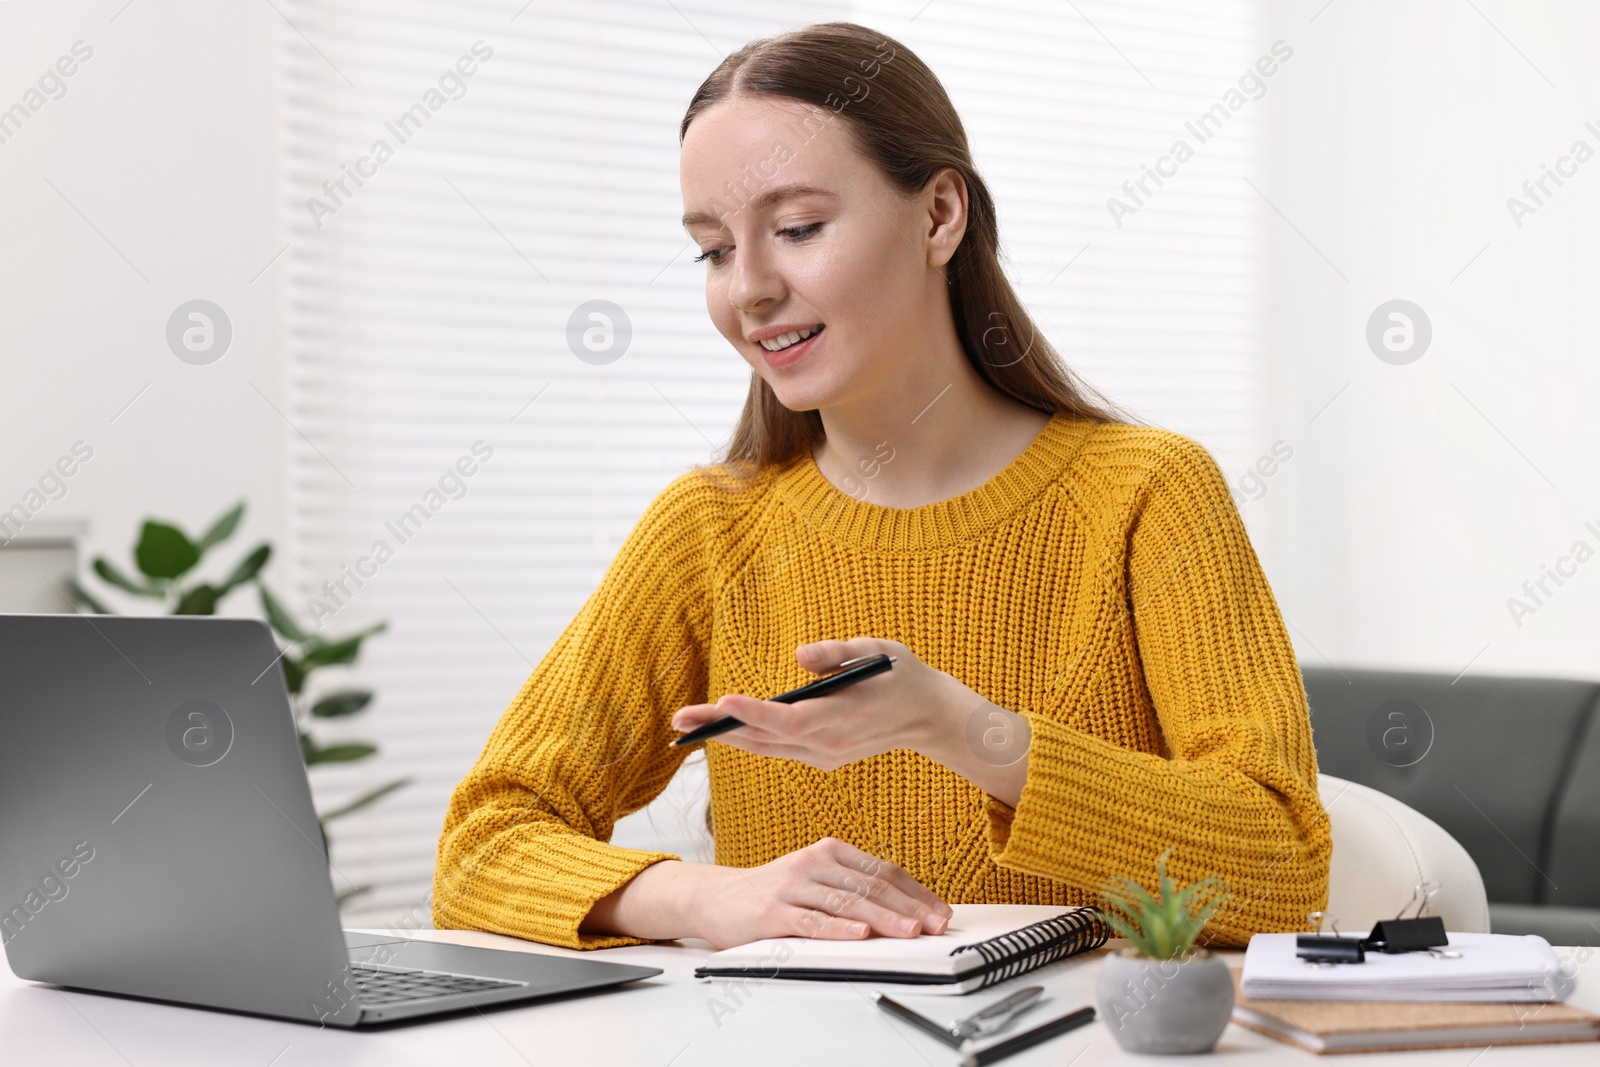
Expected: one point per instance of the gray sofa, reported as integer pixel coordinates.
(1509, 766)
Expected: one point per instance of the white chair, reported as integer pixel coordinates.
(1382, 849)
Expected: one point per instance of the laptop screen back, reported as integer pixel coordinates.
(157, 834)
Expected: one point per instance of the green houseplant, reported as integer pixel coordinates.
(166, 560)
(1161, 994)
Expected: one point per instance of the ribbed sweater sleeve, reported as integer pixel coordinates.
(1236, 791)
(525, 846)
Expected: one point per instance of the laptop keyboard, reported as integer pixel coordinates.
(388, 985)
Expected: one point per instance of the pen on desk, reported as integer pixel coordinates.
(850, 672)
(920, 1021)
(1028, 1038)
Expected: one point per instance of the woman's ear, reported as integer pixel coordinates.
(945, 203)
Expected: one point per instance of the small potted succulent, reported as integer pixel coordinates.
(1162, 994)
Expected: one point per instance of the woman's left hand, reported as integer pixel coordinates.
(910, 706)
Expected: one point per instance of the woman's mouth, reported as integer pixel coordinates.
(795, 345)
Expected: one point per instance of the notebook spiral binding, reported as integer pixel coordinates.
(1039, 943)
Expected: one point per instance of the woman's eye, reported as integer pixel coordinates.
(797, 233)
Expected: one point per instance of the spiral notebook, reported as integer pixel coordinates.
(984, 944)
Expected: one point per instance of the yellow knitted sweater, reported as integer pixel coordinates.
(1102, 584)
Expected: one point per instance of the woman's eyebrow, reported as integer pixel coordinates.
(766, 199)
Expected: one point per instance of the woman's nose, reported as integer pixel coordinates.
(755, 280)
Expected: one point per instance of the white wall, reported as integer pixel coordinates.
(1423, 497)
(164, 142)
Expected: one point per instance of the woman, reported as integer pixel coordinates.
(1091, 665)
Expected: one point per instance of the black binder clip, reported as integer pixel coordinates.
(1320, 948)
(1415, 934)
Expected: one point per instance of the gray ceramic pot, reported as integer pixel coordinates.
(1165, 1005)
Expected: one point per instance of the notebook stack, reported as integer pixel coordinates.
(1482, 989)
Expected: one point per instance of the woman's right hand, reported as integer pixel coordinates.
(830, 890)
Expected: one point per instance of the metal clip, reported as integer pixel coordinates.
(1421, 894)
(1320, 948)
(1414, 934)
(1316, 917)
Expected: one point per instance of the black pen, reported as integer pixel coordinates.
(1028, 1038)
(850, 672)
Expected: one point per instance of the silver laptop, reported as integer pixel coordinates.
(157, 837)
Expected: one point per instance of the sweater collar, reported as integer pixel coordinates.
(941, 524)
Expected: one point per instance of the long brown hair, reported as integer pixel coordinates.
(898, 115)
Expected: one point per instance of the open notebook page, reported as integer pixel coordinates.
(925, 954)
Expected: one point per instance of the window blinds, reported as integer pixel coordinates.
(459, 178)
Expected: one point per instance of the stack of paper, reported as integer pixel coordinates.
(1489, 967)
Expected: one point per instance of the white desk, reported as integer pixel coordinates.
(666, 1020)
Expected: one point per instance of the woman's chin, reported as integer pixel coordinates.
(804, 399)
(795, 395)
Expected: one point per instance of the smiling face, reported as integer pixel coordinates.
(800, 231)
